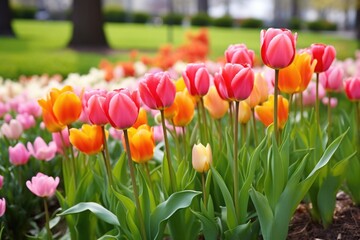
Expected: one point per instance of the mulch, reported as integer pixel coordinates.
(345, 226)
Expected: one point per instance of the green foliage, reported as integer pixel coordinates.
(174, 19)
(115, 14)
(23, 12)
(225, 21)
(321, 25)
(201, 20)
(251, 23)
(295, 23)
(140, 17)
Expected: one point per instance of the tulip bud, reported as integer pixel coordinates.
(201, 157)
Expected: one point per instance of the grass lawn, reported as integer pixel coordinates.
(40, 47)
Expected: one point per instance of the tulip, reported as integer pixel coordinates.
(201, 157)
(121, 107)
(309, 95)
(244, 112)
(260, 91)
(278, 47)
(27, 121)
(89, 139)
(197, 79)
(240, 54)
(352, 88)
(18, 155)
(12, 130)
(1, 181)
(115, 133)
(157, 91)
(30, 107)
(266, 115)
(93, 106)
(42, 151)
(142, 143)
(61, 139)
(324, 55)
(333, 101)
(42, 185)
(142, 118)
(4, 108)
(332, 79)
(234, 82)
(2, 206)
(185, 111)
(216, 106)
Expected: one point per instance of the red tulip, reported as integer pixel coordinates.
(157, 91)
(234, 82)
(324, 54)
(239, 54)
(278, 47)
(121, 108)
(352, 88)
(197, 79)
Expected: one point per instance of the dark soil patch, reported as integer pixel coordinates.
(345, 226)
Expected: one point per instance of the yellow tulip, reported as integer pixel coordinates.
(89, 139)
(201, 157)
(265, 112)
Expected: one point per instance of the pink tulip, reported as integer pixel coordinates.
(121, 108)
(18, 155)
(332, 79)
(2, 206)
(12, 130)
(41, 151)
(27, 121)
(197, 79)
(1, 181)
(333, 101)
(309, 95)
(234, 82)
(116, 133)
(278, 47)
(239, 54)
(324, 55)
(93, 102)
(30, 107)
(4, 108)
(42, 185)
(61, 139)
(157, 91)
(352, 88)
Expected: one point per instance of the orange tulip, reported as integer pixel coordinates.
(142, 118)
(142, 143)
(89, 139)
(296, 77)
(260, 92)
(67, 108)
(265, 112)
(185, 111)
(216, 106)
(244, 112)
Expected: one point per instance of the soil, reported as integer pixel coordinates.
(345, 226)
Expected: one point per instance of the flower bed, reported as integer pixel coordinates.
(136, 152)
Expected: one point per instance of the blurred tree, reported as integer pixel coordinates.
(87, 19)
(357, 22)
(295, 9)
(203, 6)
(5, 19)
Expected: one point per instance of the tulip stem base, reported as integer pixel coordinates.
(47, 219)
(204, 188)
(236, 172)
(317, 104)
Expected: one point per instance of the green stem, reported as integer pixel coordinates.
(73, 170)
(204, 188)
(276, 93)
(184, 140)
(135, 189)
(176, 140)
(106, 156)
(243, 134)
(301, 107)
(317, 103)
(149, 177)
(47, 219)
(329, 114)
(199, 121)
(231, 113)
(204, 119)
(254, 127)
(357, 105)
(219, 130)
(168, 156)
(236, 174)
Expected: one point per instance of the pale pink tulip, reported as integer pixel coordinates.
(42, 151)
(332, 79)
(2, 206)
(18, 155)
(27, 121)
(12, 130)
(61, 139)
(42, 185)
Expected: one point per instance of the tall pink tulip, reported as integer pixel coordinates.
(157, 91)
(324, 54)
(197, 79)
(42, 151)
(2, 206)
(234, 82)
(18, 155)
(352, 88)
(121, 108)
(42, 185)
(239, 54)
(278, 47)
(93, 102)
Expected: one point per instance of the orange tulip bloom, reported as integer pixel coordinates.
(142, 118)
(296, 77)
(216, 106)
(186, 109)
(89, 139)
(260, 91)
(244, 112)
(67, 108)
(265, 112)
(142, 143)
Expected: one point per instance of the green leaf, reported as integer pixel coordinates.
(95, 208)
(210, 228)
(166, 209)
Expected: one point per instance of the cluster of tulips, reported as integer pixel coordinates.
(167, 158)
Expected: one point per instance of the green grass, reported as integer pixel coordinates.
(40, 47)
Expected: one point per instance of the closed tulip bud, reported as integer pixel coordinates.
(332, 79)
(265, 112)
(18, 155)
(93, 102)
(67, 108)
(1, 181)
(2, 206)
(89, 139)
(324, 55)
(278, 47)
(352, 88)
(240, 54)
(244, 112)
(216, 106)
(201, 157)
(42, 185)
(197, 79)
(186, 109)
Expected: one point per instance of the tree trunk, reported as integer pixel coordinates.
(203, 6)
(5, 19)
(87, 19)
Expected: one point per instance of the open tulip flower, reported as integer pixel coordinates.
(18, 155)
(265, 111)
(42, 185)
(89, 139)
(240, 54)
(197, 79)
(42, 151)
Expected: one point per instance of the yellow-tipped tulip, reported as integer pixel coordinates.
(265, 112)
(201, 157)
(216, 106)
(244, 112)
(88, 139)
(185, 109)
